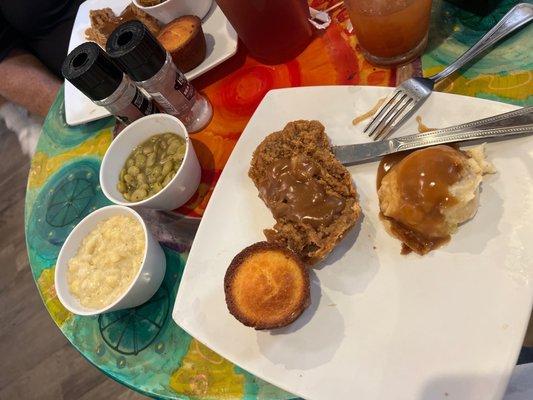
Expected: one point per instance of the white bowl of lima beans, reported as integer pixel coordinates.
(151, 164)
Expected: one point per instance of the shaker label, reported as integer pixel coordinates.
(163, 102)
(143, 104)
(183, 86)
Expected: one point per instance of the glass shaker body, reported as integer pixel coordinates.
(175, 95)
(128, 103)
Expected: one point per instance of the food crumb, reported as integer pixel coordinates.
(332, 305)
(505, 326)
(374, 247)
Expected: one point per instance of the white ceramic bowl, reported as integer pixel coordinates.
(178, 190)
(169, 10)
(143, 286)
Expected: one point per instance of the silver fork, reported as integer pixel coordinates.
(411, 94)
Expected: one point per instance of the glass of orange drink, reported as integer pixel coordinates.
(390, 32)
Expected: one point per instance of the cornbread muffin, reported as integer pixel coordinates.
(184, 39)
(309, 192)
(266, 286)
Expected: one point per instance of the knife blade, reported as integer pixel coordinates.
(356, 153)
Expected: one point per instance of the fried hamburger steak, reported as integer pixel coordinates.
(309, 192)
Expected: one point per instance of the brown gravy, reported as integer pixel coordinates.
(423, 127)
(295, 193)
(387, 163)
(413, 240)
(369, 113)
(424, 178)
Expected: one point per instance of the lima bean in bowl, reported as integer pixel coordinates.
(151, 166)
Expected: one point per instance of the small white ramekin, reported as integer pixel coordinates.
(178, 190)
(143, 286)
(169, 10)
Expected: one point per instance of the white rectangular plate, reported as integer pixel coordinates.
(221, 41)
(448, 325)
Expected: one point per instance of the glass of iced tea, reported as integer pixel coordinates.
(390, 31)
(274, 31)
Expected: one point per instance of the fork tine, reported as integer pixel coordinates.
(382, 124)
(377, 116)
(389, 123)
(407, 114)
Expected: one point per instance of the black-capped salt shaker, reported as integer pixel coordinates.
(93, 72)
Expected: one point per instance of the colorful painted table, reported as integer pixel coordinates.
(142, 347)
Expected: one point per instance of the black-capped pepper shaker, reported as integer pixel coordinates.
(150, 66)
(91, 70)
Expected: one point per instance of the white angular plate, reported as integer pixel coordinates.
(221, 40)
(448, 325)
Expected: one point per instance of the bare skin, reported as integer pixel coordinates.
(27, 82)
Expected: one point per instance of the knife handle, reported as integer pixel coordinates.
(451, 137)
(520, 117)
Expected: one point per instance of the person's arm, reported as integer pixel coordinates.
(23, 78)
(27, 82)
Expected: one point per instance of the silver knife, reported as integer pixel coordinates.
(518, 122)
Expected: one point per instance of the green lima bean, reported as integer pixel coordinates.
(151, 166)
